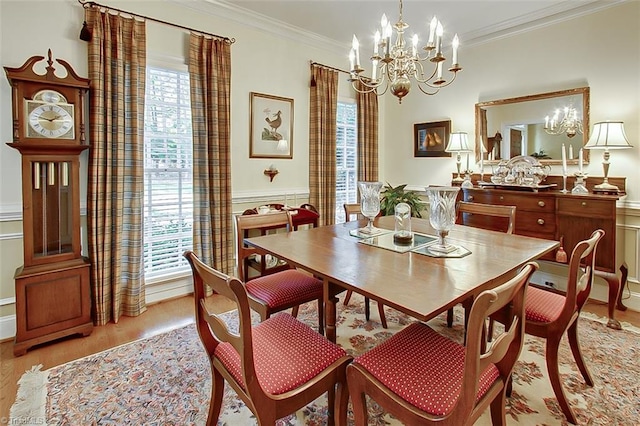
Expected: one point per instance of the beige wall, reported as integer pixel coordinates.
(277, 62)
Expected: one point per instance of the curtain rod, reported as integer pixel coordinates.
(328, 67)
(88, 4)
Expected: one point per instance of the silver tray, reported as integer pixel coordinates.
(514, 187)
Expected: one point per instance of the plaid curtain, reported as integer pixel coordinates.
(367, 135)
(117, 65)
(323, 104)
(210, 78)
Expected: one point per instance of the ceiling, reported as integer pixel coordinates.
(473, 20)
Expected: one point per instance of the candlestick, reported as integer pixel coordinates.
(564, 160)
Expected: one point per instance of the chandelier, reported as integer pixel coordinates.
(570, 123)
(393, 66)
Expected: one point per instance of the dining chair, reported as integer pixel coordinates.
(485, 216)
(277, 366)
(278, 289)
(422, 377)
(549, 315)
(354, 210)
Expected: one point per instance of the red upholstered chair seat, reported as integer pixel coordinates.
(424, 368)
(285, 288)
(287, 354)
(543, 306)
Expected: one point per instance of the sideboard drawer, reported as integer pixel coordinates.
(536, 224)
(586, 207)
(528, 202)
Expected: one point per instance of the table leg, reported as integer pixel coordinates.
(330, 300)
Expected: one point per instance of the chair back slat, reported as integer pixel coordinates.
(484, 216)
(581, 269)
(508, 298)
(262, 222)
(350, 210)
(212, 328)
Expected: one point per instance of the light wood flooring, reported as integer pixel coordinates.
(159, 318)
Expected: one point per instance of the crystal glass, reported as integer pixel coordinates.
(369, 202)
(442, 214)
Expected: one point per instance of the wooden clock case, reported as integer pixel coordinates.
(52, 287)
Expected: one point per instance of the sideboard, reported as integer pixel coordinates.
(552, 214)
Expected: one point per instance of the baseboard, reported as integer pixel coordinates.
(7, 327)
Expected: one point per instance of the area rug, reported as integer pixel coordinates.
(165, 380)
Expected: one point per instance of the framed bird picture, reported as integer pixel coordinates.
(271, 126)
(430, 139)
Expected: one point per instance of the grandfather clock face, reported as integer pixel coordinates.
(49, 115)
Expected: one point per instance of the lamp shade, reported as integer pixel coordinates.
(608, 135)
(283, 145)
(458, 142)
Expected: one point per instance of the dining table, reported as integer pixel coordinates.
(416, 282)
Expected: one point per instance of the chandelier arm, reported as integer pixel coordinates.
(421, 87)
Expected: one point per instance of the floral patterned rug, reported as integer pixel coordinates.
(165, 379)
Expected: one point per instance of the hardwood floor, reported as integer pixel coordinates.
(159, 318)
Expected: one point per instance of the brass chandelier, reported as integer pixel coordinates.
(570, 123)
(393, 66)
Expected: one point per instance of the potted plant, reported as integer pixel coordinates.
(391, 196)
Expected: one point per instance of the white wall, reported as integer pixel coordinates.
(601, 50)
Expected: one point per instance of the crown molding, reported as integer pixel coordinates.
(558, 12)
(236, 13)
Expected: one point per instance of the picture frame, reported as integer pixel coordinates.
(270, 126)
(430, 139)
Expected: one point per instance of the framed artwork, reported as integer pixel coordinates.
(270, 126)
(430, 139)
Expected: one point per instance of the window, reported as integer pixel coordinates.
(168, 187)
(346, 157)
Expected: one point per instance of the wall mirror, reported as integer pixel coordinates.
(516, 126)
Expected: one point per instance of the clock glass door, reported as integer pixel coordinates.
(51, 208)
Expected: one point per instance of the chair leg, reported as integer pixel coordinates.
(498, 409)
(331, 407)
(294, 311)
(321, 316)
(450, 318)
(217, 392)
(383, 318)
(572, 334)
(359, 406)
(347, 297)
(342, 403)
(554, 377)
(367, 309)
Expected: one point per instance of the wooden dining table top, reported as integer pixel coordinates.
(417, 284)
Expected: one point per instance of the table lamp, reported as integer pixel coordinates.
(607, 135)
(458, 142)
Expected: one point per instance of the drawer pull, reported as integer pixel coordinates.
(540, 221)
(541, 203)
(584, 204)
(501, 198)
(470, 198)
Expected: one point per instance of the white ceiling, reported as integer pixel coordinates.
(474, 20)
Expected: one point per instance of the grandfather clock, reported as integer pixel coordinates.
(52, 287)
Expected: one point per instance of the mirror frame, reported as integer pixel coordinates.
(584, 91)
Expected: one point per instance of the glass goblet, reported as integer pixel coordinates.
(369, 203)
(442, 215)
